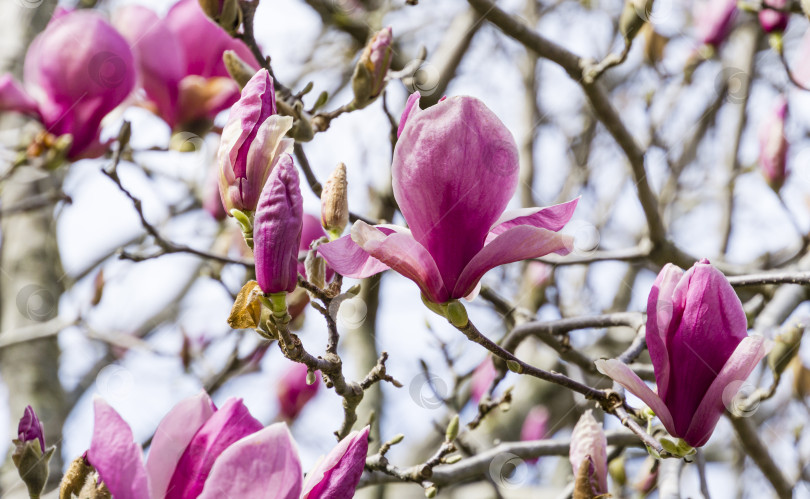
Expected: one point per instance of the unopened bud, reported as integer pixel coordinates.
(617, 471)
(452, 429)
(397, 439)
(335, 203)
(74, 479)
(316, 269)
(452, 459)
(240, 71)
(514, 366)
(368, 80)
(29, 454)
(784, 349)
(311, 377)
(431, 491)
(634, 15)
(457, 314)
(226, 13)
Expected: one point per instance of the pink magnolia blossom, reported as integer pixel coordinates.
(535, 426)
(30, 428)
(201, 451)
(773, 146)
(180, 60)
(714, 20)
(773, 15)
(481, 379)
(293, 392)
(700, 350)
(455, 169)
(76, 72)
(589, 448)
(277, 229)
(252, 144)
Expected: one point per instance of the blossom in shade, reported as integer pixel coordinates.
(589, 448)
(714, 20)
(201, 451)
(774, 15)
(773, 146)
(180, 61)
(252, 144)
(455, 169)
(76, 71)
(277, 229)
(293, 392)
(700, 350)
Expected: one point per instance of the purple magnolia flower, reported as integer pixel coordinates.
(201, 451)
(277, 229)
(180, 61)
(714, 20)
(76, 72)
(293, 392)
(252, 144)
(774, 15)
(30, 428)
(773, 146)
(455, 169)
(589, 448)
(700, 350)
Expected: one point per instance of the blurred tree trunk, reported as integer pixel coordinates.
(30, 270)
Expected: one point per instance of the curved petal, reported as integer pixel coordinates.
(411, 110)
(349, 259)
(336, 476)
(14, 98)
(115, 455)
(172, 436)
(721, 393)
(624, 376)
(517, 243)
(659, 317)
(708, 324)
(551, 217)
(263, 465)
(455, 169)
(404, 254)
(266, 150)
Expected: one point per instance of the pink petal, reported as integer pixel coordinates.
(349, 259)
(116, 456)
(659, 317)
(623, 375)
(172, 436)
(411, 109)
(14, 98)
(336, 476)
(551, 217)
(518, 243)
(455, 169)
(404, 254)
(263, 465)
(721, 392)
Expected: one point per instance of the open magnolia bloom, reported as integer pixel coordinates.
(455, 169)
(201, 451)
(700, 350)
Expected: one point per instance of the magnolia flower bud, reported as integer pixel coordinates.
(335, 203)
(226, 13)
(75, 478)
(29, 454)
(277, 229)
(239, 70)
(368, 80)
(773, 146)
(634, 15)
(773, 16)
(588, 455)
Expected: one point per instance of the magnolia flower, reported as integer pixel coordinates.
(455, 169)
(700, 351)
(277, 229)
(589, 450)
(774, 15)
(252, 144)
(201, 451)
(481, 379)
(311, 232)
(773, 146)
(30, 428)
(180, 61)
(293, 392)
(535, 425)
(714, 20)
(76, 72)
